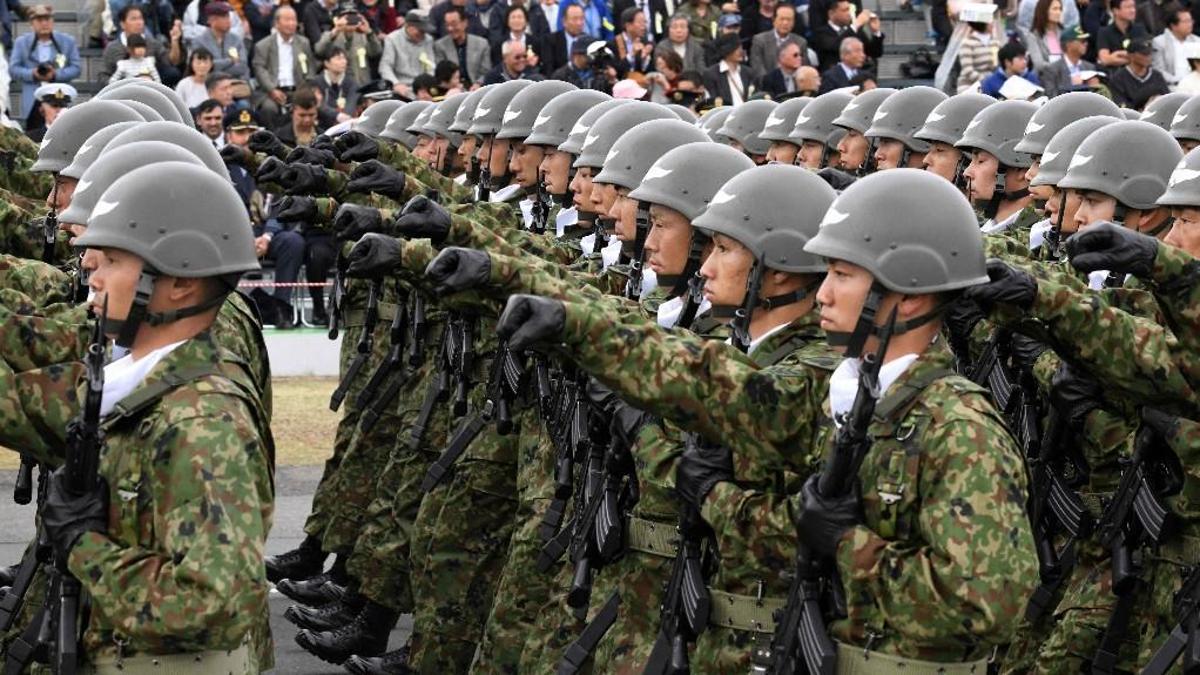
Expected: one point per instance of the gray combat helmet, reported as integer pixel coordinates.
(683, 112)
(1057, 113)
(1183, 189)
(113, 164)
(1185, 126)
(190, 222)
(902, 114)
(815, 123)
(92, 147)
(443, 117)
(745, 124)
(1161, 111)
(774, 211)
(860, 111)
(185, 137)
(417, 127)
(149, 114)
(686, 179)
(73, 127)
(397, 125)
(151, 97)
(637, 149)
(1056, 156)
(579, 130)
(997, 129)
(462, 118)
(949, 119)
(883, 224)
(782, 120)
(555, 120)
(611, 125)
(524, 108)
(711, 121)
(490, 112)
(1130, 161)
(375, 118)
(173, 96)
(1131, 114)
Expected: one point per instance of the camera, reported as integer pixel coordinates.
(44, 70)
(353, 19)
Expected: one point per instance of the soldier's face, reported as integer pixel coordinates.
(582, 187)
(59, 197)
(556, 166)
(809, 156)
(498, 164)
(841, 297)
(668, 241)
(853, 150)
(941, 160)
(1094, 207)
(422, 150)
(113, 280)
(1188, 145)
(725, 271)
(466, 149)
(888, 154)
(624, 213)
(602, 198)
(982, 175)
(1032, 171)
(524, 165)
(1068, 207)
(1185, 232)
(782, 152)
(441, 154)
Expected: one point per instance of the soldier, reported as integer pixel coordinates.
(996, 177)
(816, 134)
(855, 154)
(743, 128)
(712, 119)
(1050, 118)
(1161, 111)
(896, 121)
(1185, 126)
(777, 127)
(943, 128)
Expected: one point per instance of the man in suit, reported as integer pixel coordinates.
(339, 91)
(469, 51)
(227, 47)
(658, 14)
(783, 78)
(556, 48)
(766, 45)
(630, 46)
(730, 82)
(827, 38)
(1064, 74)
(842, 73)
(679, 40)
(1169, 46)
(597, 20)
(514, 66)
(281, 61)
(42, 56)
(133, 22)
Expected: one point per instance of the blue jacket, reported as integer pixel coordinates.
(9, 11)
(597, 19)
(992, 83)
(22, 64)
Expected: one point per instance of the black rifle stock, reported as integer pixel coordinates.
(366, 343)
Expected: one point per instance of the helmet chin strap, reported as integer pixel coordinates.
(680, 282)
(999, 195)
(1054, 236)
(856, 340)
(868, 164)
(139, 312)
(960, 169)
(567, 199)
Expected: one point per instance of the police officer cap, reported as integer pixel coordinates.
(58, 94)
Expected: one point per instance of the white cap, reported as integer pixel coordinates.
(56, 91)
(628, 89)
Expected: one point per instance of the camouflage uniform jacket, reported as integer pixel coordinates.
(42, 283)
(944, 560)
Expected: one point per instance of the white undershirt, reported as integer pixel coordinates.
(670, 311)
(122, 376)
(1037, 233)
(843, 384)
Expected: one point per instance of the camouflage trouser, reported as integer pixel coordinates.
(725, 650)
(1164, 576)
(639, 577)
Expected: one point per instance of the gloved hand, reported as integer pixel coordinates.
(838, 180)
(423, 218)
(374, 256)
(1108, 246)
(310, 155)
(1007, 285)
(626, 422)
(699, 469)
(458, 269)
(352, 221)
(323, 143)
(355, 146)
(234, 154)
(67, 518)
(305, 179)
(295, 209)
(962, 316)
(272, 170)
(373, 176)
(267, 143)
(528, 319)
(1074, 395)
(823, 522)
(1026, 350)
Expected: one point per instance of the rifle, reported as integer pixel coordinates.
(562, 410)
(49, 234)
(801, 636)
(1184, 639)
(334, 310)
(541, 206)
(416, 349)
(393, 363)
(438, 392)
(366, 344)
(463, 351)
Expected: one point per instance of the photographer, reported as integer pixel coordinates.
(353, 34)
(589, 68)
(43, 56)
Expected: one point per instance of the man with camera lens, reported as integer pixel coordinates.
(589, 68)
(42, 56)
(353, 34)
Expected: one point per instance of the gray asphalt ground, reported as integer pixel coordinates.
(294, 489)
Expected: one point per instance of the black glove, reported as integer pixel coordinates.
(1007, 285)
(1073, 395)
(305, 179)
(295, 209)
(353, 221)
(271, 170)
(1025, 350)
(324, 143)
(377, 177)
(458, 269)
(66, 518)
(1108, 246)
(233, 154)
(626, 422)
(310, 155)
(824, 521)
(838, 180)
(423, 218)
(528, 319)
(962, 316)
(355, 146)
(268, 143)
(699, 469)
(374, 256)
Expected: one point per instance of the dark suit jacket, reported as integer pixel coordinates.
(1056, 77)
(834, 78)
(657, 22)
(479, 57)
(531, 42)
(774, 83)
(717, 85)
(554, 50)
(764, 53)
(348, 89)
(266, 61)
(538, 26)
(825, 42)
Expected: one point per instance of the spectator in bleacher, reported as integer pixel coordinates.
(702, 19)
(407, 53)
(680, 41)
(549, 9)
(782, 79)
(841, 74)
(579, 70)
(50, 100)
(500, 28)
(193, 86)
(727, 24)
(437, 19)
(42, 56)
(1136, 84)
(137, 63)
(1027, 9)
(159, 14)
(446, 74)
(195, 21)
(1014, 62)
(481, 13)
(826, 39)
(220, 89)
(1112, 43)
(730, 81)
(662, 80)
(632, 50)
(469, 51)
(317, 17)
(658, 15)
(1154, 15)
(353, 34)
(132, 22)
(10, 11)
(1041, 39)
(513, 66)
(209, 117)
(597, 17)
(556, 48)
(976, 55)
(1191, 84)
(238, 126)
(766, 45)
(384, 18)
(302, 128)
(517, 29)
(259, 17)
(1170, 48)
(338, 90)
(1065, 74)
(758, 16)
(282, 60)
(228, 48)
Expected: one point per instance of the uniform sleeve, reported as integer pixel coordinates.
(1176, 276)
(524, 274)
(398, 157)
(57, 334)
(35, 408)
(202, 585)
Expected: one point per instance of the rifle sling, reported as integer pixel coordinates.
(458, 445)
(1108, 653)
(584, 646)
(143, 397)
(904, 394)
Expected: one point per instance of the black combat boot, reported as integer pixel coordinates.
(330, 617)
(307, 560)
(320, 590)
(367, 635)
(391, 663)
